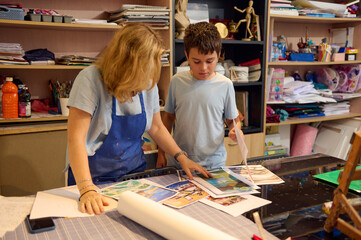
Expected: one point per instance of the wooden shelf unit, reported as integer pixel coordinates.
(70, 39)
(294, 27)
(239, 51)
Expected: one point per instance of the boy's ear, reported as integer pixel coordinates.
(185, 53)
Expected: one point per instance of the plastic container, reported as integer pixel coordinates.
(276, 86)
(24, 103)
(10, 99)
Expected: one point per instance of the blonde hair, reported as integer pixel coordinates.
(131, 61)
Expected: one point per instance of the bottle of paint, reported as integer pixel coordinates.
(10, 99)
(24, 103)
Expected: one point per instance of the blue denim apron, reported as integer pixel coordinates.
(121, 152)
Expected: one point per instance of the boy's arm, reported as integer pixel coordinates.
(232, 131)
(168, 121)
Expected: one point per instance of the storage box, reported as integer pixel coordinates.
(67, 19)
(350, 54)
(11, 13)
(34, 17)
(302, 57)
(338, 57)
(57, 19)
(46, 18)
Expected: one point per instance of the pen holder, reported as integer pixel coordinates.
(64, 106)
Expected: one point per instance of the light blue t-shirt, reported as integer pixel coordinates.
(90, 95)
(200, 107)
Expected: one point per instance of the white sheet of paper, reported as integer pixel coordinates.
(61, 202)
(260, 174)
(235, 209)
(13, 211)
(242, 145)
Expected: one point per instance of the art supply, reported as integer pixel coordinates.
(165, 221)
(303, 140)
(24, 103)
(259, 225)
(276, 86)
(10, 99)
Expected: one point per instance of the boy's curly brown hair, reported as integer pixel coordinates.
(203, 36)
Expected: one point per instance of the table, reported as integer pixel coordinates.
(112, 225)
(296, 209)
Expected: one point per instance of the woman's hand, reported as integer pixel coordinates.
(92, 202)
(188, 166)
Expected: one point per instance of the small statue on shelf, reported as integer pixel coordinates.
(180, 17)
(249, 12)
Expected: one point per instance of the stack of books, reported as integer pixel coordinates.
(12, 53)
(283, 7)
(155, 16)
(165, 57)
(75, 60)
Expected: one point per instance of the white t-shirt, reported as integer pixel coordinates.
(201, 107)
(90, 95)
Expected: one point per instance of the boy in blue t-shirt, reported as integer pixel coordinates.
(199, 101)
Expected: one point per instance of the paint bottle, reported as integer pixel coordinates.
(24, 102)
(10, 99)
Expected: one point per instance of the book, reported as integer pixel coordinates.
(242, 105)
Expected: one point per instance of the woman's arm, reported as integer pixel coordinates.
(162, 137)
(78, 125)
(168, 121)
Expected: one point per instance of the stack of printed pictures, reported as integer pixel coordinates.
(12, 53)
(229, 190)
(155, 16)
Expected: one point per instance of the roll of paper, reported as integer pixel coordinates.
(165, 221)
(303, 140)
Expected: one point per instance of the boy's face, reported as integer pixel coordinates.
(202, 65)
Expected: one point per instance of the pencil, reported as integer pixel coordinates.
(259, 225)
(179, 176)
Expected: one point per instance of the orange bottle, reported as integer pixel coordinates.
(10, 99)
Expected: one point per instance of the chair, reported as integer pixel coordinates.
(340, 203)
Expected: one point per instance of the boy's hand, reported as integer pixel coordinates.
(232, 135)
(161, 161)
(188, 166)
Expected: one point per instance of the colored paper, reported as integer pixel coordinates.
(333, 176)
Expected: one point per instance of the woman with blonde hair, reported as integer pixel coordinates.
(111, 105)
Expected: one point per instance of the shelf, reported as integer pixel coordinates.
(63, 26)
(305, 19)
(290, 121)
(229, 41)
(295, 63)
(258, 83)
(35, 117)
(52, 67)
(34, 128)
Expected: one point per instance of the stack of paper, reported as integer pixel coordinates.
(283, 7)
(336, 108)
(12, 53)
(156, 16)
(302, 92)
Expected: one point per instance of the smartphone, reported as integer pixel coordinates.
(40, 224)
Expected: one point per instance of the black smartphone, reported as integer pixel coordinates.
(40, 224)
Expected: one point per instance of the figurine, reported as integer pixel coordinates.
(180, 17)
(249, 12)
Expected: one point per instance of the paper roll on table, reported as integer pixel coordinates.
(165, 221)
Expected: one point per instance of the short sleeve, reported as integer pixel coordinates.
(230, 109)
(84, 93)
(171, 101)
